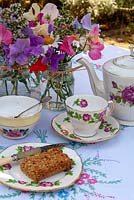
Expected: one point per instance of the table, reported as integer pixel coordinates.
(107, 166)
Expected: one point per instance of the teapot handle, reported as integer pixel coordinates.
(110, 108)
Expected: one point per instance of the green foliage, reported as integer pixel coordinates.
(124, 3)
(130, 27)
(96, 7)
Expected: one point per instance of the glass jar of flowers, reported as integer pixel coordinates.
(64, 37)
(19, 48)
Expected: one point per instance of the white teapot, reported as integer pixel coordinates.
(117, 85)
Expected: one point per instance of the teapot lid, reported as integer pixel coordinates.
(121, 66)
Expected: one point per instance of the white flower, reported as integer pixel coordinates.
(33, 12)
(50, 10)
(41, 30)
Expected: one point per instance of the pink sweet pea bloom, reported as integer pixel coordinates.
(95, 52)
(5, 35)
(66, 45)
(94, 33)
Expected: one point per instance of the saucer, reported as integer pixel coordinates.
(108, 129)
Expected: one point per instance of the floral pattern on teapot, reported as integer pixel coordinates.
(122, 95)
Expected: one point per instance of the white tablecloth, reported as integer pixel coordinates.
(109, 165)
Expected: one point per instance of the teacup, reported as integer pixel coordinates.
(87, 112)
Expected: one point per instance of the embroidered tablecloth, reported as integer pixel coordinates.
(107, 166)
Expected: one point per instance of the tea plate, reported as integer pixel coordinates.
(12, 176)
(108, 129)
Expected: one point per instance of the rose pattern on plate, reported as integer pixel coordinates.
(122, 95)
(81, 102)
(5, 167)
(14, 133)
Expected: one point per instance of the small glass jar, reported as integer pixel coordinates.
(59, 86)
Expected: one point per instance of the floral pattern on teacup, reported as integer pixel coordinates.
(94, 118)
(15, 133)
(122, 95)
(81, 102)
(105, 126)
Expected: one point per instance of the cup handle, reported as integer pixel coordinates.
(111, 108)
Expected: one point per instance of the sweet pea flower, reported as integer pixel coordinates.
(17, 52)
(50, 11)
(95, 52)
(38, 66)
(33, 12)
(86, 22)
(76, 24)
(66, 45)
(52, 59)
(41, 29)
(5, 35)
(94, 34)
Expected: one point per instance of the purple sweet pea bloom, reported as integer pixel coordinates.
(35, 51)
(27, 31)
(50, 28)
(77, 24)
(36, 43)
(17, 52)
(55, 61)
(36, 40)
(48, 56)
(86, 22)
(52, 59)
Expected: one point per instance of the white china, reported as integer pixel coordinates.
(118, 85)
(86, 113)
(13, 177)
(62, 125)
(10, 106)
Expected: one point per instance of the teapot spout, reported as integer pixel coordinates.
(96, 84)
